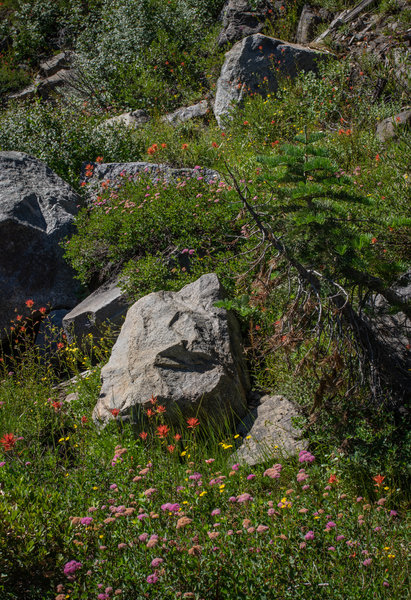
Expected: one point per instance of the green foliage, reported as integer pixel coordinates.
(171, 232)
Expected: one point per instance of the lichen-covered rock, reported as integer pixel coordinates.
(269, 431)
(181, 348)
(390, 127)
(250, 67)
(37, 211)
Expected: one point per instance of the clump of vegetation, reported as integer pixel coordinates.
(305, 223)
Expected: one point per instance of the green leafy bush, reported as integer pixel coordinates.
(170, 232)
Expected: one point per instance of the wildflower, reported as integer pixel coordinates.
(367, 562)
(99, 159)
(305, 456)
(8, 441)
(262, 528)
(143, 435)
(331, 524)
(378, 478)
(121, 546)
(71, 567)
(113, 486)
(164, 145)
(162, 431)
(177, 437)
(183, 521)
(340, 537)
(195, 551)
(156, 562)
(309, 536)
(161, 409)
(208, 461)
(246, 123)
(84, 419)
(150, 412)
(43, 310)
(114, 411)
(333, 479)
(171, 448)
(86, 520)
(29, 303)
(244, 498)
(393, 513)
(251, 476)
(192, 423)
(152, 578)
(302, 545)
(184, 146)
(215, 512)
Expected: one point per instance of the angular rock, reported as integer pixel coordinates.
(44, 87)
(37, 211)
(240, 20)
(389, 128)
(181, 115)
(105, 307)
(181, 348)
(135, 118)
(309, 20)
(250, 67)
(62, 60)
(272, 431)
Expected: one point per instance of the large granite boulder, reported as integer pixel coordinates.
(101, 312)
(37, 211)
(251, 65)
(269, 430)
(179, 347)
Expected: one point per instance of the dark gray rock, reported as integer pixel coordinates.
(37, 211)
(391, 327)
(50, 331)
(250, 67)
(181, 348)
(61, 80)
(309, 20)
(106, 307)
(389, 128)
(269, 431)
(240, 20)
(62, 60)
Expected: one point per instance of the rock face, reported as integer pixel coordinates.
(393, 329)
(59, 61)
(309, 20)
(181, 115)
(388, 128)
(135, 118)
(106, 306)
(181, 348)
(272, 431)
(45, 87)
(239, 21)
(37, 211)
(250, 67)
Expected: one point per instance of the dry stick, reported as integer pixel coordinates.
(382, 365)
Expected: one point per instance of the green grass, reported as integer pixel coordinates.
(71, 492)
